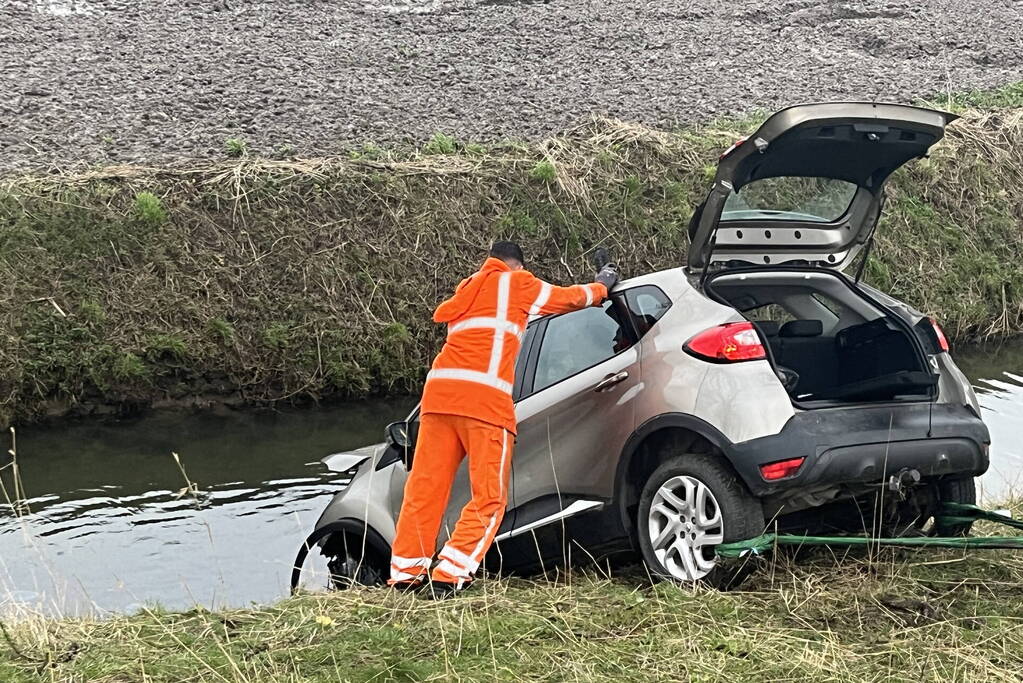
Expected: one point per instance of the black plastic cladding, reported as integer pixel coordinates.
(853, 444)
(863, 444)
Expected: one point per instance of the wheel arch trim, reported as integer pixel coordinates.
(349, 525)
(656, 424)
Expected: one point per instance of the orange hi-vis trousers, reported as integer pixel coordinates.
(444, 440)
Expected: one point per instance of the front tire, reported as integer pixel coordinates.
(343, 560)
(689, 505)
(350, 563)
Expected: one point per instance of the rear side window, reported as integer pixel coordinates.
(646, 306)
(831, 310)
(576, 341)
(769, 313)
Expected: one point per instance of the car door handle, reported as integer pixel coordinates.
(611, 380)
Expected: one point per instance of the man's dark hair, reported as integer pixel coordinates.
(507, 250)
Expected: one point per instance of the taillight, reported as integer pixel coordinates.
(940, 334)
(781, 469)
(728, 343)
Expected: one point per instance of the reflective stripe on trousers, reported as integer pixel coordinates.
(443, 442)
(408, 568)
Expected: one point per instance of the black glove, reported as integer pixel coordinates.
(607, 276)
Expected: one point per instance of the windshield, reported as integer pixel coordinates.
(790, 198)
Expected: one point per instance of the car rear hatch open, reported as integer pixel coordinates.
(807, 187)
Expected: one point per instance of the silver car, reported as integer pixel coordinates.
(761, 385)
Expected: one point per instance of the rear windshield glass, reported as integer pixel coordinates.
(790, 198)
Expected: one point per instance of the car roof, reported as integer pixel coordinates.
(669, 279)
(656, 277)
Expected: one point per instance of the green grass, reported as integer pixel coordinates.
(150, 208)
(1007, 97)
(236, 148)
(440, 144)
(895, 616)
(127, 366)
(544, 171)
(277, 335)
(283, 280)
(167, 346)
(221, 329)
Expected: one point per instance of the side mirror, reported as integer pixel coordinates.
(397, 435)
(401, 443)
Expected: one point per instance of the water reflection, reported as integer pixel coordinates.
(113, 524)
(996, 371)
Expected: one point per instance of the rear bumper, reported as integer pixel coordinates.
(866, 444)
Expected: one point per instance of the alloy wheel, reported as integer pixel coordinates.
(684, 525)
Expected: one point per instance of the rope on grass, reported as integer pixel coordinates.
(951, 513)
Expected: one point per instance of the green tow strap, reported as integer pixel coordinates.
(959, 513)
(951, 513)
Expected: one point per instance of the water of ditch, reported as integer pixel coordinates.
(111, 529)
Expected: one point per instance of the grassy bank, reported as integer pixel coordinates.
(258, 280)
(897, 616)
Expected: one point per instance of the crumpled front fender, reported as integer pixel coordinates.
(373, 497)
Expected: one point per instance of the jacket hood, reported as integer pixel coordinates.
(467, 291)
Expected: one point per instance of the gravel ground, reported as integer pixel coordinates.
(110, 81)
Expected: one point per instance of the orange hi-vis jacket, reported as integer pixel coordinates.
(473, 374)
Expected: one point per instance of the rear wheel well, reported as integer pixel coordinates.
(648, 455)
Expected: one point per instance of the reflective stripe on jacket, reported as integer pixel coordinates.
(473, 374)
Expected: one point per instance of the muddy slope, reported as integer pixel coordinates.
(121, 80)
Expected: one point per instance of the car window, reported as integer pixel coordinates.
(576, 341)
(521, 360)
(790, 198)
(647, 304)
(769, 313)
(833, 306)
(830, 310)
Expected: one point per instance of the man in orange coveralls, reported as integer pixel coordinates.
(467, 409)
